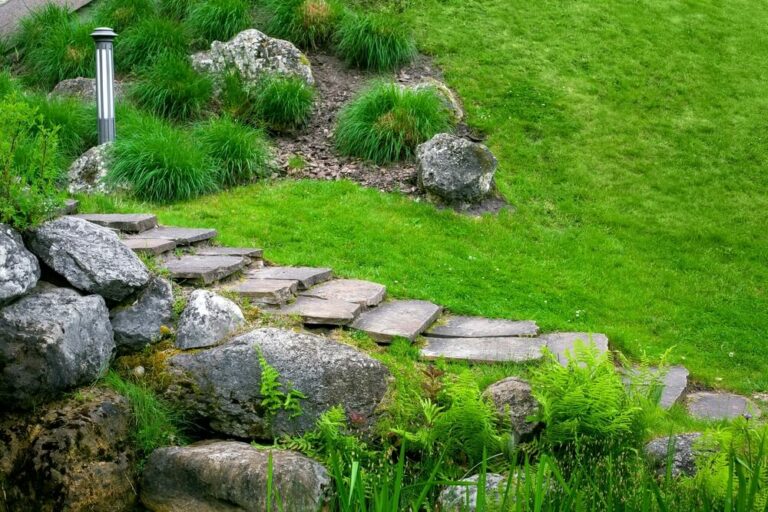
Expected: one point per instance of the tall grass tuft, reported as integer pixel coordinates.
(122, 14)
(161, 163)
(174, 9)
(143, 43)
(172, 88)
(374, 41)
(307, 23)
(386, 122)
(218, 20)
(283, 104)
(240, 152)
(77, 130)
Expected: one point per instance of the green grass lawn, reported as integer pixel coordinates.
(632, 138)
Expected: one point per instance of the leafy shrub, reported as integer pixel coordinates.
(75, 120)
(161, 163)
(28, 167)
(386, 122)
(307, 23)
(218, 20)
(122, 14)
(375, 41)
(240, 152)
(174, 9)
(145, 42)
(172, 88)
(283, 104)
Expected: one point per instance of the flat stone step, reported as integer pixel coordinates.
(125, 222)
(207, 269)
(154, 246)
(266, 291)
(321, 311)
(478, 327)
(483, 350)
(182, 236)
(720, 406)
(364, 293)
(250, 253)
(401, 318)
(561, 342)
(306, 276)
(675, 380)
(70, 205)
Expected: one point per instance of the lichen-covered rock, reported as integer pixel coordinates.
(222, 385)
(231, 476)
(454, 169)
(74, 455)
(463, 498)
(86, 174)
(254, 55)
(208, 319)
(513, 398)
(140, 322)
(83, 89)
(90, 257)
(19, 269)
(684, 449)
(449, 100)
(51, 340)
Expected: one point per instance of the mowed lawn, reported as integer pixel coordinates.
(632, 139)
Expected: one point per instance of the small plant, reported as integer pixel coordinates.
(143, 43)
(241, 152)
(375, 41)
(307, 23)
(122, 14)
(218, 20)
(296, 162)
(274, 398)
(172, 88)
(159, 162)
(386, 122)
(283, 104)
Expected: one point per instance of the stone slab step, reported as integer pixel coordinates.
(306, 276)
(675, 380)
(483, 350)
(182, 236)
(365, 293)
(266, 291)
(321, 311)
(720, 406)
(154, 246)
(207, 269)
(478, 327)
(70, 205)
(402, 318)
(125, 222)
(562, 342)
(250, 253)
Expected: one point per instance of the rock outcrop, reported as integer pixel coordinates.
(87, 173)
(19, 269)
(140, 322)
(208, 319)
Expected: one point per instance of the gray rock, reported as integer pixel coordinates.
(673, 380)
(231, 476)
(563, 343)
(86, 174)
(684, 450)
(483, 350)
(313, 311)
(254, 55)
(83, 89)
(223, 384)
(463, 498)
(182, 236)
(139, 323)
(266, 291)
(720, 406)
(125, 222)
(154, 246)
(364, 293)
(19, 269)
(252, 253)
(454, 169)
(207, 320)
(205, 269)
(445, 94)
(306, 276)
(51, 340)
(513, 398)
(401, 318)
(90, 257)
(479, 327)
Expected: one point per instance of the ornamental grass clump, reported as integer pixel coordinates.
(174, 9)
(218, 20)
(143, 43)
(375, 41)
(122, 14)
(73, 119)
(282, 104)
(240, 152)
(386, 122)
(172, 88)
(307, 23)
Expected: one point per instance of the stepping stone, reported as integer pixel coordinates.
(478, 327)
(403, 318)
(182, 236)
(560, 342)
(364, 293)
(720, 406)
(253, 254)
(125, 222)
(266, 291)
(674, 381)
(70, 207)
(155, 246)
(207, 269)
(483, 350)
(306, 276)
(321, 311)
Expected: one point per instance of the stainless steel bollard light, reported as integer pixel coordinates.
(105, 88)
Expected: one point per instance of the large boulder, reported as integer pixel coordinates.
(19, 269)
(51, 340)
(254, 55)
(455, 170)
(208, 319)
(463, 498)
(87, 173)
(90, 257)
(73, 455)
(223, 384)
(513, 399)
(140, 322)
(683, 449)
(231, 476)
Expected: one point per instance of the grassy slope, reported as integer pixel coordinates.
(631, 137)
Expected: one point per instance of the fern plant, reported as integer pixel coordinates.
(274, 396)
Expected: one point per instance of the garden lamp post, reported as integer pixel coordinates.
(105, 77)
